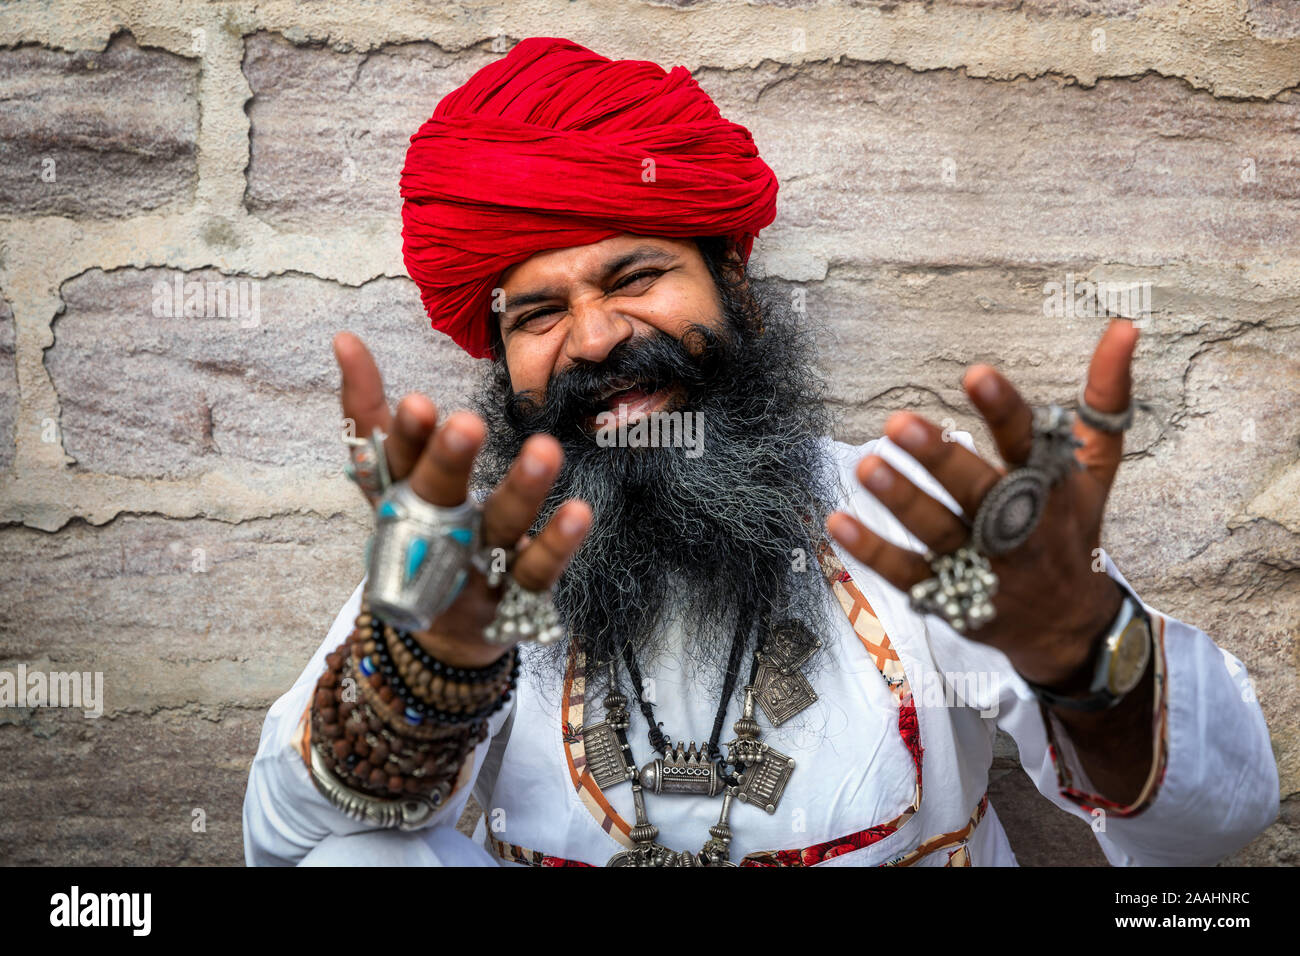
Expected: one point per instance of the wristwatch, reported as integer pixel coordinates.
(1121, 660)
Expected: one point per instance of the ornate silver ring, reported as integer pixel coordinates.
(961, 591)
(524, 615)
(418, 558)
(368, 465)
(1012, 509)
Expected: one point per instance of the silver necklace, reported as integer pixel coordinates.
(779, 689)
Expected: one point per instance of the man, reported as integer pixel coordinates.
(732, 687)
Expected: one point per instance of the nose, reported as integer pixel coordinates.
(594, 329)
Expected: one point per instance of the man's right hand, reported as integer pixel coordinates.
(437, 460)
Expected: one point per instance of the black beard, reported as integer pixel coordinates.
(718, 541)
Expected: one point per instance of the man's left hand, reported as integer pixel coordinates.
(1053, 602)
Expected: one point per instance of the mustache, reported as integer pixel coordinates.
(695, 363)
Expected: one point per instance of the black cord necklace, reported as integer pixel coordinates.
(660, 741)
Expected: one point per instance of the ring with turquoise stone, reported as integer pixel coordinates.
(419, 556)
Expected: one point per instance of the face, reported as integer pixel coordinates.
(573, 305)
(703, 536)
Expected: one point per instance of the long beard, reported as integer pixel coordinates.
(716, 541)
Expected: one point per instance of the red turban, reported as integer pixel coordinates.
(547, 148)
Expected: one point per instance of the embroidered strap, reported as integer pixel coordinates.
(954, 842)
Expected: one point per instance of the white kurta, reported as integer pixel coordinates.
(855, 785)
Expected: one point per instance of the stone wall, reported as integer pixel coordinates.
(172, 509)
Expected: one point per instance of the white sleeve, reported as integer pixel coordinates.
(285, 816)
(1213, 784)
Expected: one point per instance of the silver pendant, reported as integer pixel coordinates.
(682, 770)
(789, 645)
(763, 783)
(607, 759)
(782, 695)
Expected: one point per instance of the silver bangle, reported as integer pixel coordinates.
(1113, 422)
(405, 813)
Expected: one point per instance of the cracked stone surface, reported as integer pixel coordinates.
(188, 532)
(144, 396)
(71, 144)
(8, 386)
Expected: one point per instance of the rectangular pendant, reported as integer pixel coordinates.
(763, 783)
(782, 695)
(606, 761)
(790, 644)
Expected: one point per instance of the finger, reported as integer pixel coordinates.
(512, 507)
(965, 475)
(541, 563)
(1010, 419)
(1109, 389)
(940, 529)
(441, 474)
(413, 423)
(362, 391)
(898, 566)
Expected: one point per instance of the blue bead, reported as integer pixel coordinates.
(367, 668)
(386, 510)
(413, 717)
(463, 535)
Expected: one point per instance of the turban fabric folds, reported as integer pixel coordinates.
(555, 146)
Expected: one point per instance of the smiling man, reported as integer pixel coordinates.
(780, 651)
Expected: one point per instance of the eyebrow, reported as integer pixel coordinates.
(613, 267)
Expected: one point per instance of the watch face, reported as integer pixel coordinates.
(1129, 660)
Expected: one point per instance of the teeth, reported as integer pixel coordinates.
(616, 386)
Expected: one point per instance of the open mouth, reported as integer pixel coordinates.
(627, 400)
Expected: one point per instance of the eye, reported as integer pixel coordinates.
(524, 319)
(642, 274)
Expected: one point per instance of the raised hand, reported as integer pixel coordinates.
(438, 460)
(1052, 603)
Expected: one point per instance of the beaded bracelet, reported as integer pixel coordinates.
(417, 711)
(434, 689)
(349, 736)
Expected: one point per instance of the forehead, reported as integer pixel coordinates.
(579, 261)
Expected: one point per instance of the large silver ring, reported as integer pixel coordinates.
(961, 591)
(1012, 509)
(368, 465)
(1113, 422)
(418, 558)
(524, 615)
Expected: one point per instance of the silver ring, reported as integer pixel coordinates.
(368, 465)
(961, 591)
(1012, 509)
(419, 556)
(524, 615)
(1113, 422)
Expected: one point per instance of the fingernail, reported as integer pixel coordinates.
(571, 525)
(457, 442)
(533, 466)
(912, 436)
(879, 478)
(987, 388)
(845, 530)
